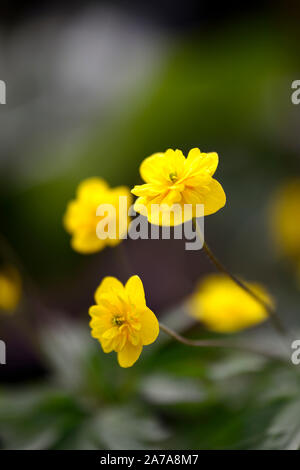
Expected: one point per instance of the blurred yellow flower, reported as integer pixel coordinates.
(81, 219)
(224, 307)
(10, 289)
(121, 320)
(285, 226)
(172, 181)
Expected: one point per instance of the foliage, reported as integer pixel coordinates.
(175, 397)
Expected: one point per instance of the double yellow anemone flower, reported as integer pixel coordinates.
(10, 289)
(121, 320)
(285, 229)
(173, 182)
(222, 306)
(81, 219)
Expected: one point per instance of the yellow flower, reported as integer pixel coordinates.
(121, 320)
(224, 307)
(10, 289)
(81, 221)
(171, 180)
(285, 210)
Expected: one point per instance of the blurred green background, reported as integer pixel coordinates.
(92, 92)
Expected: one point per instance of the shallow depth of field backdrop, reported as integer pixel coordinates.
(92, 91)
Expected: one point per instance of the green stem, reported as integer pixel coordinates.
(216, 343)
(273, 315)
(122, 261)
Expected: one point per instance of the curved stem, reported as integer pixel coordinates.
(273, 315)
(216, 343)
(122, 261)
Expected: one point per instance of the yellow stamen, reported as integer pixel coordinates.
(117, 320)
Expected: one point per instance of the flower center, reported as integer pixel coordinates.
(117, 320)
(173, 176)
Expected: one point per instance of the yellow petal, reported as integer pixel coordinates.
(87, 243)
(107, 345)
(193, 196)
(111, 333)
(100, 322)
(90, 186)
(224, 307)
(121, 191)
(129, 354)
(135, 290)
(175, 161)
(71, 216)
(214, 199)
(10, 289)
(98, 313)
(152, 169)
(169, 216)
(134, 338)
(148, 189)
(119, 342)
(150, 326)
(140, 206)
(200, 162)
(211, 161)
(109, 285)
(193, 155)
(173, 196)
